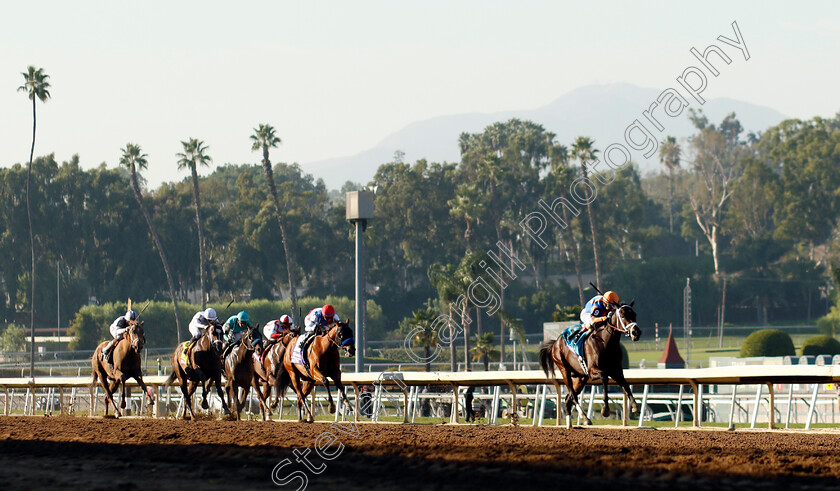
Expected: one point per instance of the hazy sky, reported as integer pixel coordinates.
(334, 78)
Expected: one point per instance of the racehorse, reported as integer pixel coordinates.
(603, 355)
(205, 366)
(323, 356)
(272, 373)
(239, 371)
(126, 365)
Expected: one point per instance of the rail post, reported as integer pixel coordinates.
(678, 418)
(813, 406)
(732, 408)
(754, 417)
(772, 416)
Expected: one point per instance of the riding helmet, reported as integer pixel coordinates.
(328, 310)
(285, 319)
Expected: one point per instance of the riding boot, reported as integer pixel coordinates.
(106, 351)
(303, 349)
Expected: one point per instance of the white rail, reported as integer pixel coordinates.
(761, 375)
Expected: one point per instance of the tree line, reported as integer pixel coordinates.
(751, 219)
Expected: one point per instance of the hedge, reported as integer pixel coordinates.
(767, 342)
(90, 324)
(821, 345)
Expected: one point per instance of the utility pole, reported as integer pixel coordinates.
(687, 318)
(359, 210)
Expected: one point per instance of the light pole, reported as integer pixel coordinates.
(359, 210)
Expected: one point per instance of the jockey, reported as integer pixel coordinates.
(199, 323)
(235, 328)
(274, 330)
(118, 328)
(316, 322)
(320, 319)
(597, 312)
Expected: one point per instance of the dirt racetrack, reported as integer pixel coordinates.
(94, 453)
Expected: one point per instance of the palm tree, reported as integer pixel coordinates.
(669, 155)
(559, 157)
(583, 151)
(427, 338)
(133, 159)
(265, 138)
(484, 348)
(36, 86)
(191, 158)
(469, 205)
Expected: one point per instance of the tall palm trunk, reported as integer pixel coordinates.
(136, 187)
(32, 253)
(671, 198)
(269, 175)
(592, 228)
(201, 258)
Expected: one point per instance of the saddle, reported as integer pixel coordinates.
(575, 339)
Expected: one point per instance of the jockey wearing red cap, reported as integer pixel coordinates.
(321, 318)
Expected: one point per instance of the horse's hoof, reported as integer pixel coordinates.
(605, 412)
(332, 408)
(226, 412)
(204, 405)
(588, 422)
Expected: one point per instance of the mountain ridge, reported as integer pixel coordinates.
(601, 112)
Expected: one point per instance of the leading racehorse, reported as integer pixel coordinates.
(324, 361)
(603, 355)
(126, 364)
(204, 366)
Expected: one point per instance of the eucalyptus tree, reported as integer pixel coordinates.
(265, 138)
(135, 160)
(194, 155)
(716, 155)
(584, 152)
(36, 86)
(669, 155)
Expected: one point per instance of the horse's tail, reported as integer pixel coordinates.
(170, 379)
(546, 362)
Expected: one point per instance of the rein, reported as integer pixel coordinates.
(622, 325)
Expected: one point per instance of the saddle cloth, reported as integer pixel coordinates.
(297, 353)
(576, 345)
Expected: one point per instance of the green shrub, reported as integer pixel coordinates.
(821, 345)
(91, 322)
(13, 339)
(767, 342)
(830, 323)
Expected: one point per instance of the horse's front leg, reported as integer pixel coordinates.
(218, 382)
(149, 393)
(319, 376)
(605, 410)
(618, 376)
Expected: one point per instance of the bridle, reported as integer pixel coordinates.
(135, 337)
(621, 324)
(340, 341)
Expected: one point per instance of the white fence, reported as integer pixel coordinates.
(807, 389)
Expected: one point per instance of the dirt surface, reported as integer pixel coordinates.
(92, 453)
